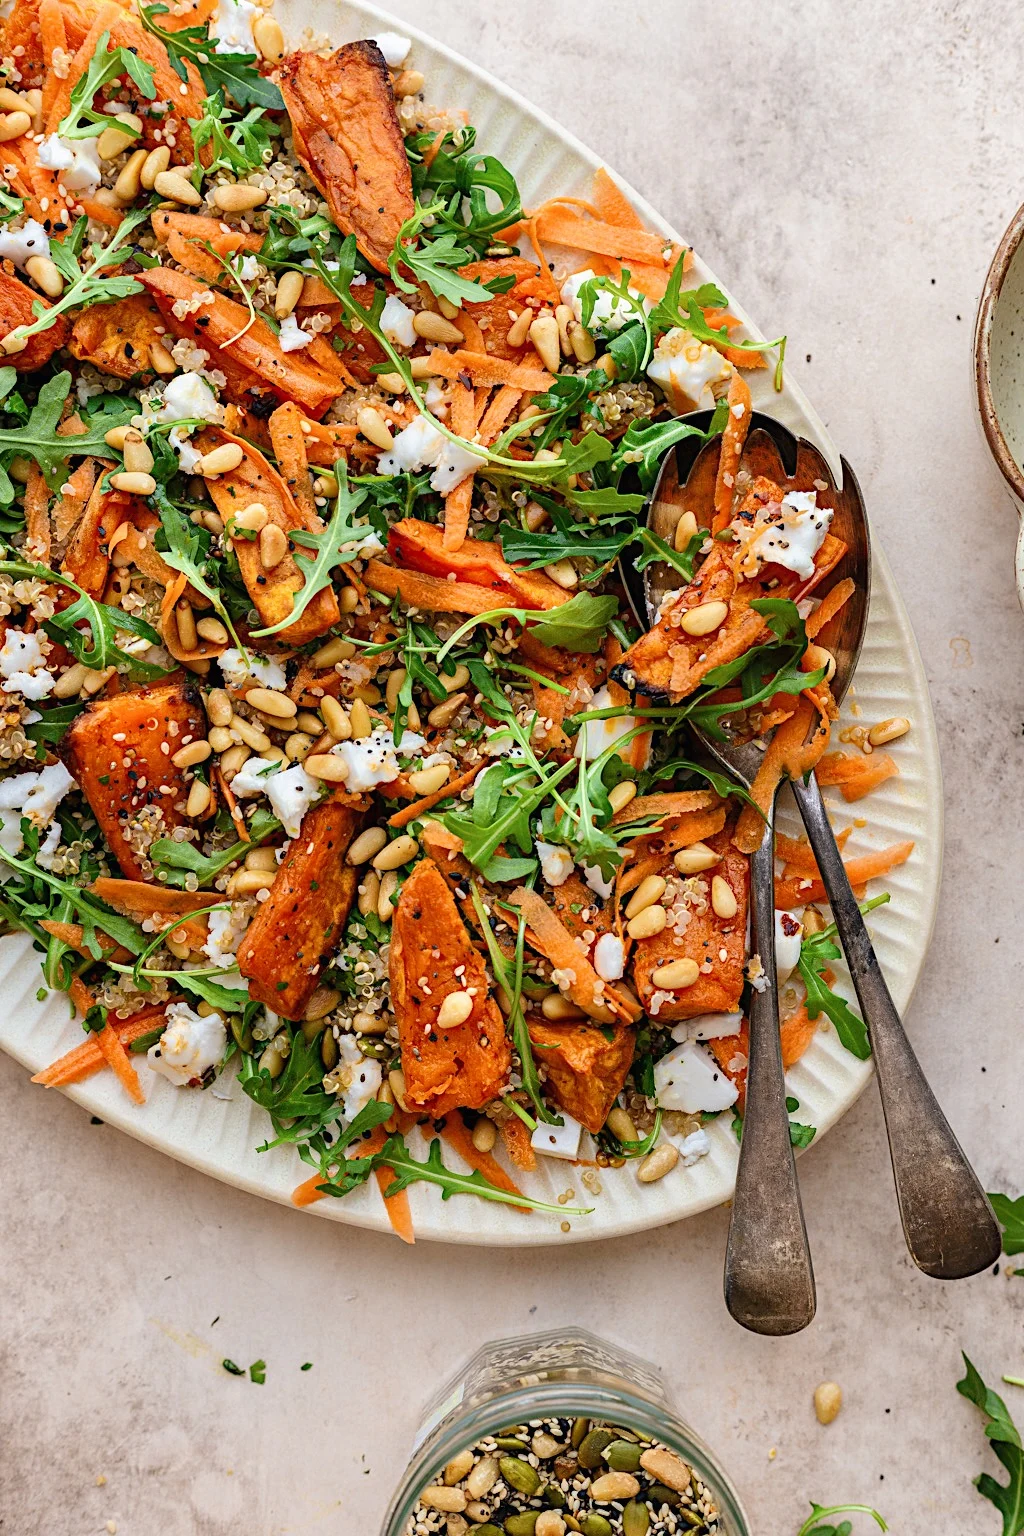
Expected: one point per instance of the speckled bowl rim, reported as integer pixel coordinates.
(992, 288)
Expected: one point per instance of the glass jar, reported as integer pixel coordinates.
(545, 1375)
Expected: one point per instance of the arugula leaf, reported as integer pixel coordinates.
(229, 72)
(343, 1174)
(9, 204)
(85, 286)
(1006, 1443)
(432, 261)
(567, 398)
(52, 725)
(577, 625)
(687, 311)
(106, 65)
(512, 986)
(407, 1170)
(99, 649)
(1011, 1218)
(336, 545)
(644, 444)
(295, 1101)
(813, 1527)
(509, 818)
(91, 912)
(188, 551)
(815, 953)
(258, 1372)
(721, 783)
(178, 859)
(38, 439)
(239, 144)
(631, 346)
(481, 194)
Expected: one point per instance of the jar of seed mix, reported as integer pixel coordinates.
(560, 1433)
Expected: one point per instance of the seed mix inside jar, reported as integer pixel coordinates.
(553, 1476)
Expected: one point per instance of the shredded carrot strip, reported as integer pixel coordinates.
(61, 102)
(786, 756)
(430, 153)
(855, 776)
(52, 36)
(561, 226)
(869, 866)
(86, 1059)
(121, 1063)
(419, 808)
(472, 335)
(457, 503)
(612, 204)
(830, 605)
(489, 370)
(37, 521)
(458, 1136)
(733, 437)
(498, 412)
(397, 1206)
(517, 1143)
(798, 856)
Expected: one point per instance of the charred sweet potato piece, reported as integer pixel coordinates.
(465, 1066)
(160, 905)
(198, 229)
(272, 591)
(705, 938)
(494, 318)
(119, 752)
(585, 1070)
(116, 338)
(304, 916)
(252, 362)
(419, 547)
(16, 300)
(87, 560)
(346, 134)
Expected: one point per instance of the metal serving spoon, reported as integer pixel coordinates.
(950, 1228)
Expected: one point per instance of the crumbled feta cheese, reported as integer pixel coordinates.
(18, 245)
(597, 882)
(374, 760)
(292, 337)
(78, 162)
(435, 399)
(188, 457)
(232, 27)
(795, 538)
(596, 736)
(394, 47)
(690, 1080)
(249, 268)
(708, 1026)
(23, 665)
(789, 931)
(396, 322)
(610, 313)
(453, 466)
(686, 369)
(358, 1077)
(267, 673)
(48, 847)
(556, 864)
(190, 1045)
(189, 395)
(609, 957)
(291, 792)
(416, 446)
(226, 932)
(693, 1147)
(558, 1140)
(35, 795)
(253, 777)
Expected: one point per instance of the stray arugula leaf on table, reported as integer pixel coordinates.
(433, 260)
(232, 73)
(1010, 1214)
(106, 65)
(814, 1525)
(1004, 1435)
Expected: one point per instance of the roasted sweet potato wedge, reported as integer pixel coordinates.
(116, 338)
(16, 300)
(272, 591)
(347, 136)
(302, 919)
(712, 941)
(418, 546)
(87, 559)
(160, 905)
(465, 1066)
(247, 353)
(119, 752)
(585, 1070)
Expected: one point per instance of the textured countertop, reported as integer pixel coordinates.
(848, 171)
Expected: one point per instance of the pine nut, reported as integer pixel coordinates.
(366, 846)
(695, 859)
(195, 752)
(221, 460)
(647, 892)
(451, 1500)
(888, 730)
(274, 755)
(212, 630)
(544, 335)
(296, 748)
(270, 701)
(394, 683)
(70, 682)
(220, 738)
(520, 328)
(563, 315)
(255, 739)
(307, 721)
(289, 292)
(458, 679)
(129, 179)
(160, 360)
(564, 573)
(261, 858)
(273, 546)
(558, 1008)
(667, 1468)
(95, 681)
(115, 438)
(397, 853)
(435, 327)
(334, 651)
(392, 382)
(813, 921)
(13, 125)
(252, 518)
(135, 485)
(199, 797)
(246, 882)
(676, 975)
(323, 1002)
(114, 141)
(648, 923)
(185, 621)
(818, 658)
(335, 718)
(685, 530)
(448, 309)
(723, 898)
(137, 457)
(409, 83)
(154, 165)
(388, 887)
(348, 599)
(549, 1523)
(174, 186)
(443, 714)
(325, 484)
(828, 1399)
(218, 707)
(46, 275)
(238, 197)
(233, 761)
(423, 367)
(13, 343)
(607, 364)
(704, 618)
(657, 1163)
(614, 1485)
(582, 343)
(10, 101)
(34, 103)
(455, 1009)
(326, 766)
(485, 1134)
(269, 39)
(369, 888)
(621, 1125)
(374, 428)
(359, 719)
(622, 794)
(427, 780)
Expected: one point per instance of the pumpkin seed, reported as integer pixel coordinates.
(622, 1456)
(553, 1496)
(691, 1518)
(592, 1446)
(510, 1443)
(520, 1476)
(522, 1525)
(597, 1525)
(329, 1050)
(242, 1032)
(486, 1530)
(657, 1494)
(579, 1430)
(636, 1519)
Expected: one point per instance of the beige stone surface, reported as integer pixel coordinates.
(848, 170)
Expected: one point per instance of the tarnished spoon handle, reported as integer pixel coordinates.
(950, 1227)
(769, 1282)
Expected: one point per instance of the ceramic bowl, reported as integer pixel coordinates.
(999, 367)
